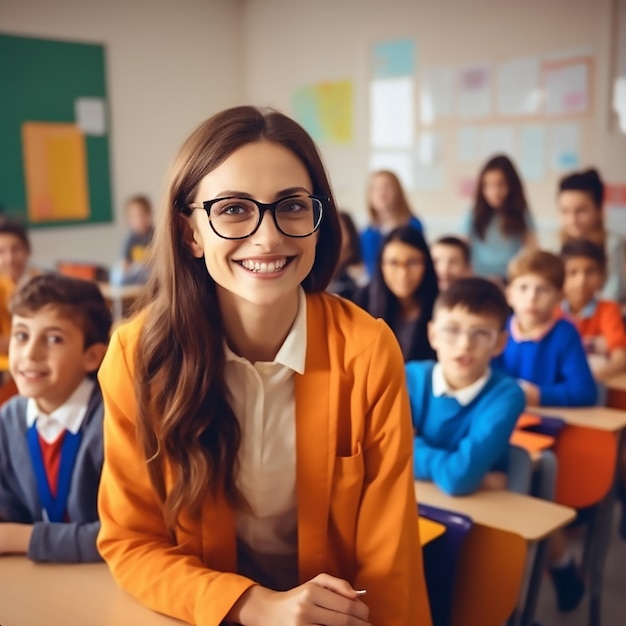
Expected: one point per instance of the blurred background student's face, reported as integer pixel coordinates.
(583, 279)
(449, 264)
(13, 256)
(495, 188)
(383, 194)
(579, 214)
(403, 268)
(139, 217)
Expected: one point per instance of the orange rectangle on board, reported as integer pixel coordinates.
(55, 168)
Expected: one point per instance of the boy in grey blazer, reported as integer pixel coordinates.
(51, 434)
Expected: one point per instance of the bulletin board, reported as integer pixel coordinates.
(54, 153)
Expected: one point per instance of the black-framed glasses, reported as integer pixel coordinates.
(238, 218)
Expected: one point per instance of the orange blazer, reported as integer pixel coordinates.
(357, 516)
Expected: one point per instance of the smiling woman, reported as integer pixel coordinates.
(266, 422)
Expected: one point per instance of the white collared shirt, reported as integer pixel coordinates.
(262, 396)
(69, 416)
(463, 396)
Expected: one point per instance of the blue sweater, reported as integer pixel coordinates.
(372, 241)
(556, 364)
(456, 445)
(74, 541)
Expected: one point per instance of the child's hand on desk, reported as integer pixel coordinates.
(494, 481)
(325, 600)
(14, 538)
(531, 391)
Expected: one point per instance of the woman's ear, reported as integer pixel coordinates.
(191, 237)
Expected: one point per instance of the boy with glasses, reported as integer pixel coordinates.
(462, 411)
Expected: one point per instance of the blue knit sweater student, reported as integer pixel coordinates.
(462, 411)
(51, 434)
(544, 353)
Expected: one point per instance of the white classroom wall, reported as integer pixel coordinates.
(295, 43)
(170, 64)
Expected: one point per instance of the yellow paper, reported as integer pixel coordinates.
(55, 167)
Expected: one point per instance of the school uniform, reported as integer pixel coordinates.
(353, 507)
(460, 434)
(555, 361)
(32, 451)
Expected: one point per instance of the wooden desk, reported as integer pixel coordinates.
(531, 518)
(38, 594)
(120, 297)
(597, 417)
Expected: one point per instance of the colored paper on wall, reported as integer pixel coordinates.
(392, 119)
(436, 94)
(518, 91)
(391, 59)
(90, 116)
(55, 168)
(532, 160)
(566, 87)
(326, 110)
(565, 146)
(496, 139)
(474, 91)
(467, 144)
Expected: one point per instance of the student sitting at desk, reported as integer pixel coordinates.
(463, 412)
(599, 321)
(452, 260)
(51, 434)
(543, 352)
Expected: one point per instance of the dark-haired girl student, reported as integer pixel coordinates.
(581, 201)
(499, 224)
(403, 291)
(258, 437)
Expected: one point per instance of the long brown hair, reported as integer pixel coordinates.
(402, 205)
(185, 424)
(515, 208)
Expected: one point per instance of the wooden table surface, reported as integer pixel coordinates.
(42, 594)
(532, 518)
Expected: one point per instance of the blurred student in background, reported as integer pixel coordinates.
(580, 201)
(599, 321)
(403, 291)
(133, 267)
(499, 224)
(351, 273)
(452, 260)
(543, 352)
(388, 208)
(14, 255)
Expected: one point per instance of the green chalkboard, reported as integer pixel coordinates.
(40, 81)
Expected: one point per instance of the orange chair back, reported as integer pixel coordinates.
(586, 460)
(488, 578)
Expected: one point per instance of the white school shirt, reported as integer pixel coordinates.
(262, 396)
(463, 396)
(69, 416)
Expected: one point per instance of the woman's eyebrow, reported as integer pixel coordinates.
(290, 191)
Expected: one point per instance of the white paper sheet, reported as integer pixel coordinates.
(566, 88)
(392, 119)
(90, 115)
(532, 160)
(436, 94)
(399, 162)
(474, 91)
(429, 163)
(496, 139)
(467, 144)
(518, 91)
(565, 146)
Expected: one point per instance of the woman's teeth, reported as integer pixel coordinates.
(262, 267)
